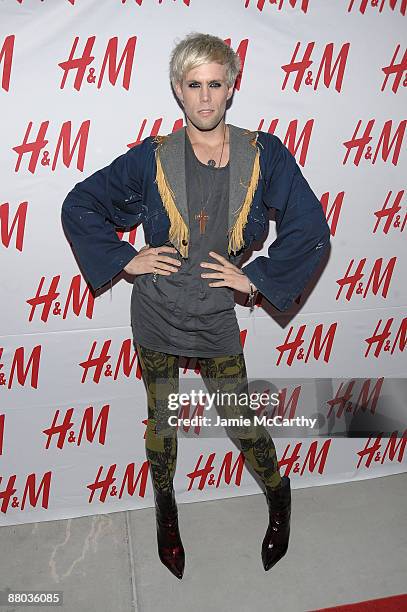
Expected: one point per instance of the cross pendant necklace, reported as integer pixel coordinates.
(203, 216)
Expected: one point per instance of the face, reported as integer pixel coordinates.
(205, 89)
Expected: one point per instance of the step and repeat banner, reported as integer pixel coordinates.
(81, 81)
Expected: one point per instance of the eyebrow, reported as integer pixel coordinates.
(198, 81)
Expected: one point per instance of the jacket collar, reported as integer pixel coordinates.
(243, 178)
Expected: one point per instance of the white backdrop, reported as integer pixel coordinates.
(329, 78)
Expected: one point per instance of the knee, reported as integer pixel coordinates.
(156, 436)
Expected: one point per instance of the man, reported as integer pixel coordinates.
(202, 195)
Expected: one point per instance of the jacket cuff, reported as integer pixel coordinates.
(97, 278)
(258, 271)
(280, 299)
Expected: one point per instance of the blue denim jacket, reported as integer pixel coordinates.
(125, 193)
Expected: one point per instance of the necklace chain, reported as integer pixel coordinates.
(212, 164)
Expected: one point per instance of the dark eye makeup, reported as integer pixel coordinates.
(216, 83)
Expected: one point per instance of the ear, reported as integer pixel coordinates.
(230, 91)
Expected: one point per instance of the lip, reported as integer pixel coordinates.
(205, 112)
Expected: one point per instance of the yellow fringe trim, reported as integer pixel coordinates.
(236, 237)
(178, 228)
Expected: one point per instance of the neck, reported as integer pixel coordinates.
(210, 138)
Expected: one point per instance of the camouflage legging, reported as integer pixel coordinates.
(223, 374)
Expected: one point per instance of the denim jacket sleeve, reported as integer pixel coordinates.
(109, 198)
(303, 235)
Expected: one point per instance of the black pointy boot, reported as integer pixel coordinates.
(170, 548)
(275, 543)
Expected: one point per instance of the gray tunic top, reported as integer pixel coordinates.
(180, 313)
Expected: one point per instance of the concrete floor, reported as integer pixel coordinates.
(348, 543)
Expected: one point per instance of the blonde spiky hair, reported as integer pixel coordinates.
(197, 49)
